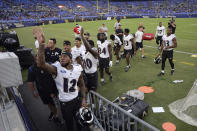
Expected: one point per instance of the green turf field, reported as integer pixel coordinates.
(143, 71)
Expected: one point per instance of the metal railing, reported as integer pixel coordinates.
(114, 118)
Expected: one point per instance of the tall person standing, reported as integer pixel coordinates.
(66, 76)
(168, 44)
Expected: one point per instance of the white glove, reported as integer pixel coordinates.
(110, 63)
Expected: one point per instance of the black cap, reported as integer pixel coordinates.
(66, 42)
(67, 53)
(87, 33)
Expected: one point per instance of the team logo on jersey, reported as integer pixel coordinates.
(62, 71)
(56, 53)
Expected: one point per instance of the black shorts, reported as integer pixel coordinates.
(103, 63)
(130, 52)
(167, 54)
(139, 45)
(45, 97)
(91, 81)
(117, 47)
(159, 40)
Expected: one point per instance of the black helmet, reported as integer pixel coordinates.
(157, 60)
(84, 117)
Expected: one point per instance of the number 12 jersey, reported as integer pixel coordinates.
(66, 81)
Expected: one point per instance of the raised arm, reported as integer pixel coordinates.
(87, 46)
(38, 32)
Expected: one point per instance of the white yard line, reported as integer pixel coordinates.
(174, 51)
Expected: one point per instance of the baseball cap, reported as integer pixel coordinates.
(67, 53)
(87, 33)
(66, 42)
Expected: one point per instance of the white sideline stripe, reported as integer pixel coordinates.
(174, 51)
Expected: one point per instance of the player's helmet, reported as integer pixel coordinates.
(84, 117)
(157, 60)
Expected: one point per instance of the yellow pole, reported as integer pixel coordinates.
(97, 5)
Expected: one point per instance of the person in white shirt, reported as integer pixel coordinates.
(160, 31)
(66, 76)
(168, 44)
(139, 41)
(116, 25)
(103, 29)
(12, 31)
(128, 46)
(78, 51)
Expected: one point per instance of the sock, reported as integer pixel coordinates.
(117, 61)
(142, 55)
(172, 69)
(102, 79)
(162, 71)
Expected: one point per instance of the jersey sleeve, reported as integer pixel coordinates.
(36, 44)
(95, 49)
(119, 41)
(136, 34)
(131, 37)
(115, 25)
(156, 31)
(163, 37)
(56, 64)
(173, 36)
(31, 74)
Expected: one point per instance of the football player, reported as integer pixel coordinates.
(117, 46)
(90, 63)
(168, 44)
(105, 56)
(160, 31)
(129, 44)
(66, 76)
(87, 35)
(139, 41)
(78, 51)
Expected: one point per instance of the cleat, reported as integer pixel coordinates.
(102, 83)
(58, 121)
(127, 68)
(160, 74)
(172, 72)
(110, 78)
(51, 116)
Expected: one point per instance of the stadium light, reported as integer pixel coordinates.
(61, 6)
(79, 6)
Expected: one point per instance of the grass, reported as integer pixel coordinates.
(143, 72)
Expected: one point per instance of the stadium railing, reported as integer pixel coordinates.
(112, 117)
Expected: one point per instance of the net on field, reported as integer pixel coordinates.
(186, 109)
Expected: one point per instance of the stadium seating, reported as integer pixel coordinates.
(32, 10)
